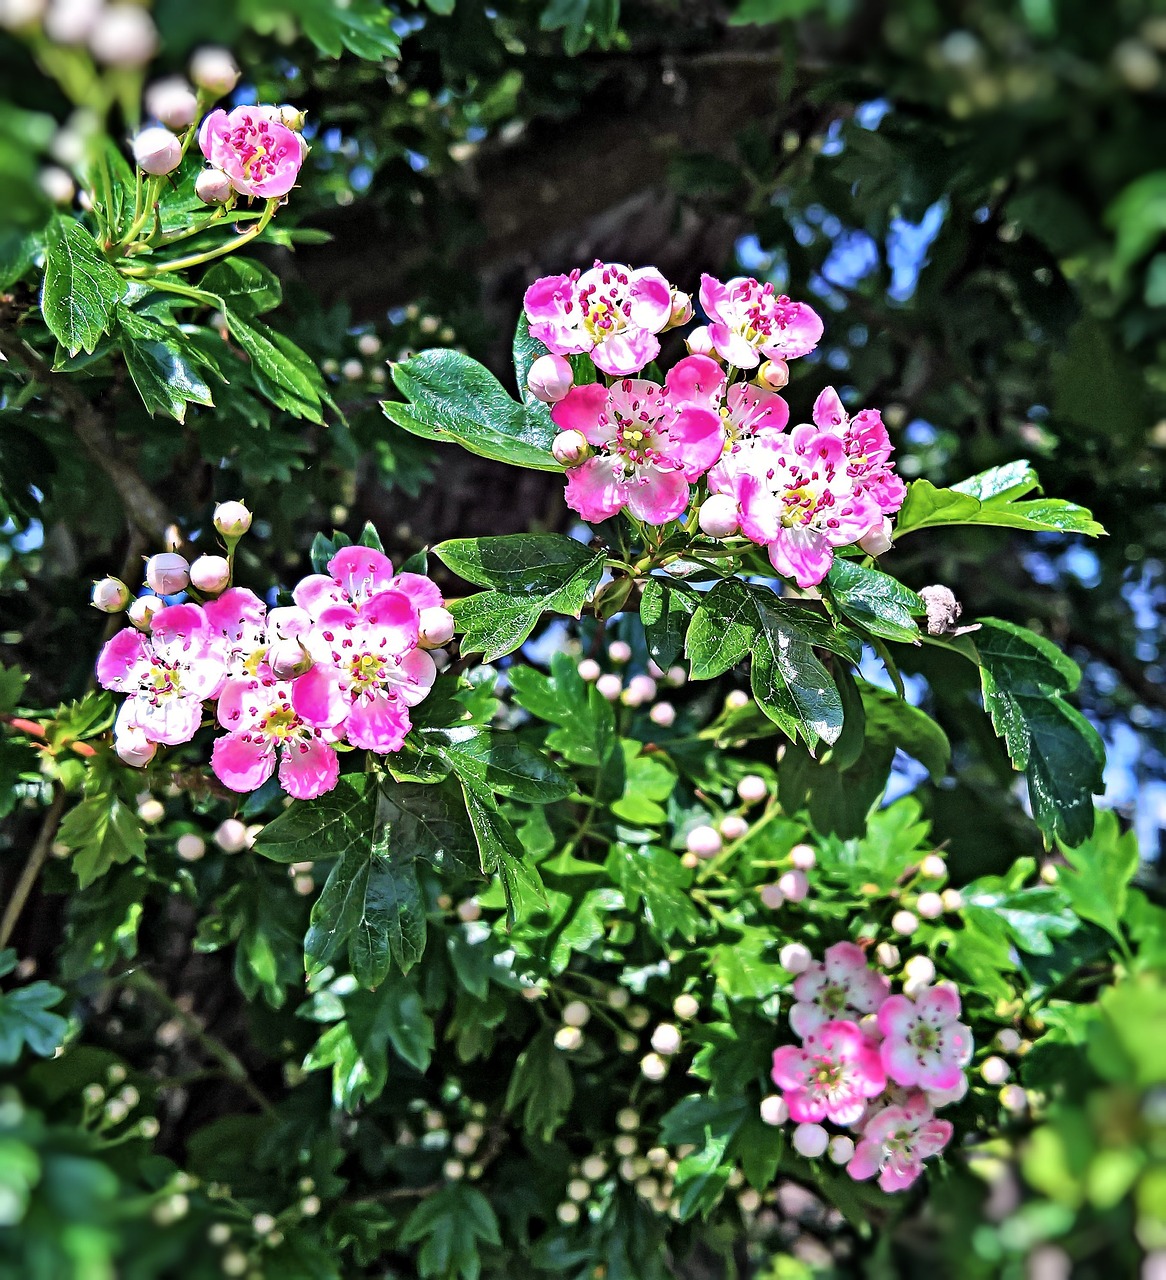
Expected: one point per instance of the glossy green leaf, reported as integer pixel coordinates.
(1099, 873)
(666, 610)
(246, 286)
(541, 1087)
(25, 1018)
(80, 288)
(501, 762)
(101, 831)
(874, 601)
(159, 363)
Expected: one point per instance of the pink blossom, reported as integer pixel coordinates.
(897, 1141)
(260, 156)
(355, 576)
(924, 1043)
(167, 673)
(610, 312)
(797, 498)
(262, 725)
(649, 450)
(368, 671)
(746, 410)
(831, 1075)
(750, 320)
(868, 450)
(841, 986)
(238, 620)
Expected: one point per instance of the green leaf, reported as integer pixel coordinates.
(526, 350)
(80, 289)
(532, 574)
(12, 682)
(363, 27)
(1099, 872)
(874, 601)
(25, 1018)
(765, 12)
(452, 1222)
(541, 1085)
(282, 371)
(1024, 678)
(101, 831)
(502, 762)
(165, 378)
(500, 849)
(453, 398)
(394, 1012)
(656, 877)
(585, 732)
(246, 286)
(666, 609)
(1033, 916)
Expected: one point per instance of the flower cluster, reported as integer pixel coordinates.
(716, 422)
(875, 1063)
(287, 685)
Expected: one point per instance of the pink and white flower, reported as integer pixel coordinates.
(897, 1141)
(167, 673)
(924, 1043)
(610, 312)
(649, 450)
(261, 156)
(355, 576)
(238, 619)
(263, 726)
(750, 320)
(831, 1076)
(867, 447)
(840, 986)
(746, 410)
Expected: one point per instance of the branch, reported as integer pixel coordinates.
(144, 509)
(36, 859)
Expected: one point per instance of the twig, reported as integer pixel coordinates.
(36, 859)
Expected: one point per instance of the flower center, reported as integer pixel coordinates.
(281, 723)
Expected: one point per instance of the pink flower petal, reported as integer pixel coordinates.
(318, 698)
(580, 410)
(865, 1161)
(938, 1004)
(378, 724)
(897, 1016)
(788, 1067)
(626, 353)
(901, 1061)
(418, 672)
(242, 762)
(423, 591)
(391, 617)
(318, 592)
(802, 554)
(828, 410)
(649, 299)
(308, 768)
(696, 439)
(593, 490)
(696, 380)
(170, 720)
(122, 661)
(658, 496)
(361, 571)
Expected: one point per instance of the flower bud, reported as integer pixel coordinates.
(190, 847)
(435, 627)
(675, 677)
(71, 21)
(142, 610)
(700, 343)
(589, 670)
(288, 659)
(810, 1140)
(666, 1039)
(110, 595)
(210, 574)
(803, 857)
(933, 867)
(1013, 1098)
(214, 70)
(620, 652)
(124, 35)
(774, 1110)
(887, 954)
(20, 15)
(952, 899)
(568, 1039)
(172, 101)
(1008, 1040)
(704, 841)
(134, 748)
(773, 374)
(663, 714)
(752, 788)
(736, 700)
(232, 519)
(231, 836)
(685, 1006)
(640, 689)
(57, 184)
(628, 1120)
(570, 448)
(718, 516)
(995, 1070)
(793, 885)
(609, 686)
(904, 922)
(212, 186)
(653, 1066)
(681, 310)
(151, 811)
(575, 1014)
(285, 114)
(469, 910)
(550, 378)
(772, 897)
(732, 826)
(877, 540)
(919, 970)
(795, 957)
(156, 150)
(929, 906)
(167, 573)
(945, 1097)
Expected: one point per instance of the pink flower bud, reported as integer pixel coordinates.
(774, 1110)
(905, 922)
(124, 35)
(288, 659)
(620, 652)
(794, 885)
(609, 686)
(663, 714)
(156, 150)
(666, 1039)
(640, 689)
(700, 343)
(550, 378)
(752, 789)
(933, 867)
(214, 70)
(841, 1149)
(71, 21)
(803, 857)
(681, 310)
(435, 627)
(142, 610)
(877, 540)
(995, 1070)
(570, 448)
(172, 101)
(232, 519)
(772, 897)
(929, 906)
(210, 574)
(795, 957)
(19, 15)
(212, 186)
(773, 374)
(110, 595)
(732, 826)
(167, 573)
(718, 516)
(231, 836)
(810, 1140)
(589, 670)
(134, 748)
(704, 841)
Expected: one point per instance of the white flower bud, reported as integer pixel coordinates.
(124, 35)
(904, 922)
(550, 378)
(841, 1149)
(704, 841)
(57, 184)
(210, 574)
(666, 1039)
(887, 954)
(589, 670)
(214, 70)
(618, 998)
(578, 1189)
(653, 1066)
(877, 540)
(803, 857)
(368, 344)
(640, 689)
(772, 897)
(71, 21)
(929, 906)
(1008, 1040)
(594, 1167)
(20, 15)
(774, 1110)
(134, 748)
(570, 448)
(933, 867)
(568, 1039)
(795, 958)
(435, 627)
(685, 1006)
(736, 700)
(149, 1128)
(232, 519)
(793, 885)
(469, 910)
(172, 101)
(609, 686)
(732, 826)
(620, 652)
(952, 899)
(110, 595)
(190, 847)
(663, 714)
(288, 659)
(675, 677)
(700, 343)
(151, 811)
(627, 1119)
(995, 1070)
(167, 573)
(156, 150)
(920, 970)
(773, 375)
(681, 309)
(1013, 1098)
(212, 186)
(575, 1014)
(231, 836)
(718, 516)
(352, 369)
(810, 1140)
(752, 789)
(567, 1213)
